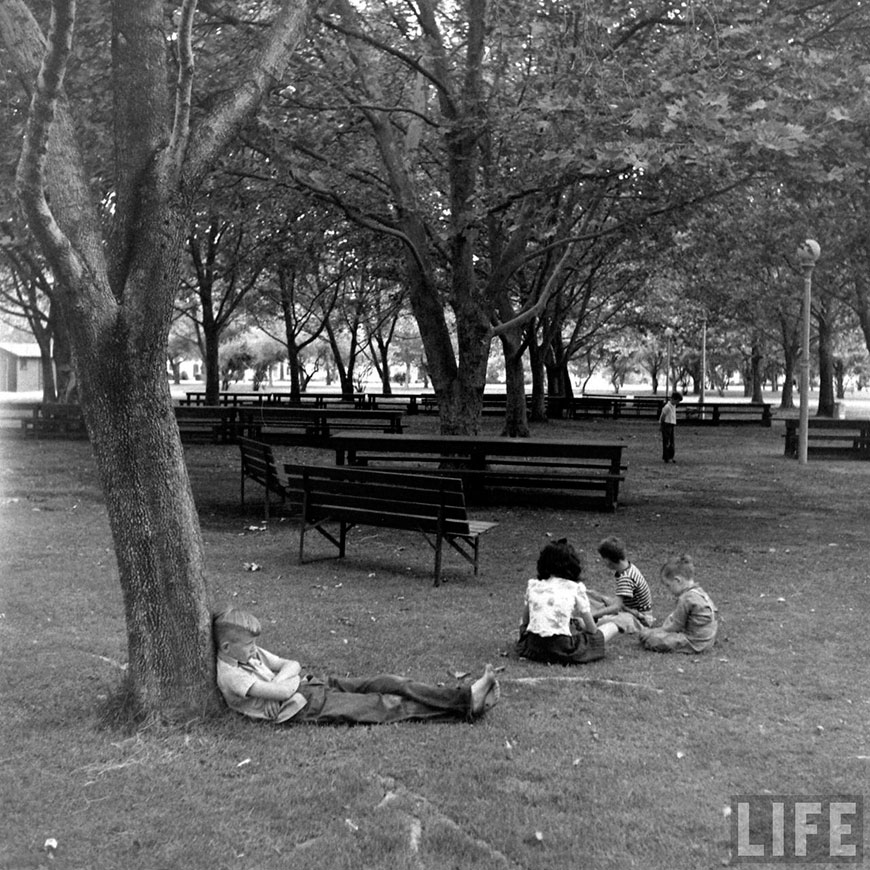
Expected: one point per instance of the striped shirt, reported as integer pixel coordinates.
(633, 589)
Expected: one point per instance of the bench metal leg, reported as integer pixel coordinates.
(439, 538)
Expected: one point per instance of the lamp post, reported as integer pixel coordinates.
(807, 254)
(669, 334)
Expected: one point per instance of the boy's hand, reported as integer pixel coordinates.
(273, 708)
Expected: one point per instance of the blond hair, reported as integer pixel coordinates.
(231, 623)
(679, 566)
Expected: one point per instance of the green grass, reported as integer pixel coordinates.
(623, 763)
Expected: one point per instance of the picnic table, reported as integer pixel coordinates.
(55, 419)
(292, 424)
(490, 466)
(834, 438)
(218, 424)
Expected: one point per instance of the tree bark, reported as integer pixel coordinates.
(516, 423)
(826, 359)
(119, 305)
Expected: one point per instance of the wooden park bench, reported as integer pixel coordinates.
(615, 406)
(259, 465)
(359, 496)
(218, 424)
(55, 419)
(831, 438)
(725, 414)
(493, 468)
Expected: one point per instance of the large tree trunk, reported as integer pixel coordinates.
(117, 300)
(516, 423)
(211, 363)
(862, 309)
(790, 343)
(155, 528)
(756, 361)
(538, 409)
(826, 360)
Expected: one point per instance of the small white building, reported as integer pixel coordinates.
(20, 367)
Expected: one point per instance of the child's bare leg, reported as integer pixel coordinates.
(485, 692)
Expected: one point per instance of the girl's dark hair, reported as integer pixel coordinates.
(560, 559)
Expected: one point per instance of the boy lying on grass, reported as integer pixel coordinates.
(261, 685)
(692, 626)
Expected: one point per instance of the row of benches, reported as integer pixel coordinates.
(409, 403)
(649, 407)
(235, 412)
(613, 406)
(280, 398)
(422, 483)
(225, 424)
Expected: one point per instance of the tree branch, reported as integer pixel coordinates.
(184, 86)
(409, 61)
(30, 177)
(223, 123)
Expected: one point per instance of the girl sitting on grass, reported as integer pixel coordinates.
(557, 621)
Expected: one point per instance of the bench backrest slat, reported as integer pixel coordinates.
(383, 496)
(258, 461)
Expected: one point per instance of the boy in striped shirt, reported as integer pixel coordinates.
(633, 601)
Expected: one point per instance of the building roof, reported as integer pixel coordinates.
(27, 349)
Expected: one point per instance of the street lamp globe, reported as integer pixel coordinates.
(808, 252)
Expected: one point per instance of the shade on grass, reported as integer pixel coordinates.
(627, 762)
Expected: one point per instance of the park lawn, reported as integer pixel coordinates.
(623, 763)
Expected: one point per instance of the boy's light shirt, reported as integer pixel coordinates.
(232, 687)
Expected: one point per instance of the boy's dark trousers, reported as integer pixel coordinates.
(668, 441)
(383, 698)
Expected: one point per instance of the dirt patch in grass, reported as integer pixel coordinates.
(627, 762)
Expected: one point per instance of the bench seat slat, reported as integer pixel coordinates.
(357, 515)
